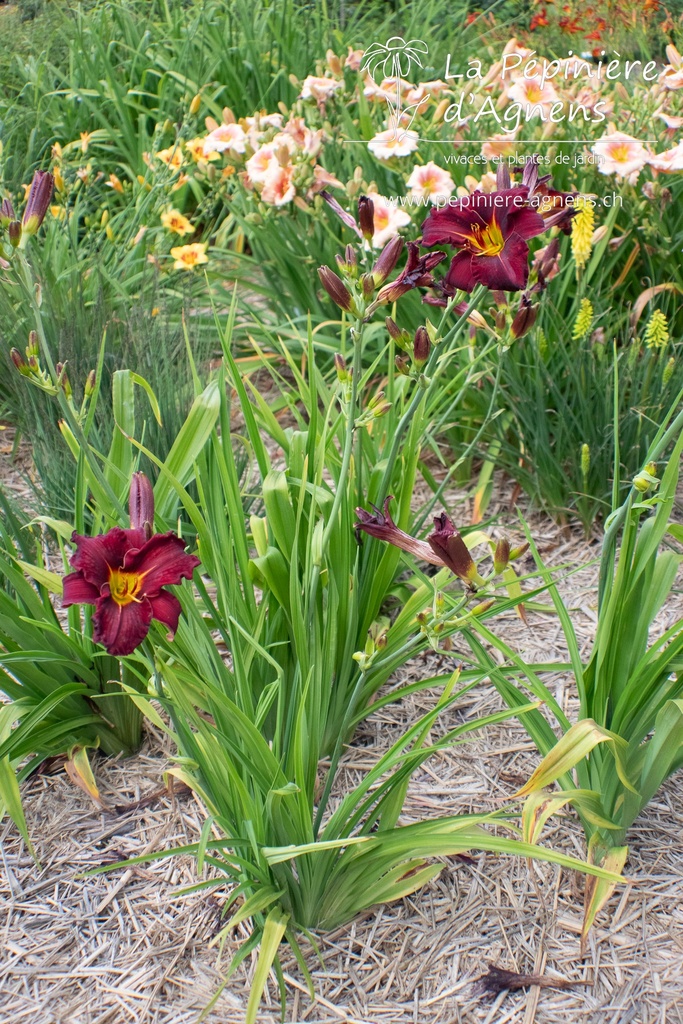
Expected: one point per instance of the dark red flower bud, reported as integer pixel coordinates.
(14, 229)
(387, 260)
(366, 217)
(38, 202)
(141, 504)
(524, 319)
(336, 289)
(400, 336)
(402, 364)
(421, 347)
(19, 361)
(348, 263)
(6, 212)
(33, 348)
(501, 556)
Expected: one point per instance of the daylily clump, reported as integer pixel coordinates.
(124, 573)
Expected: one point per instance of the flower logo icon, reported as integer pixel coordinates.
(394, 60)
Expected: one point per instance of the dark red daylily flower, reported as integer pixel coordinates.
(444, 545)
(491, 230)
(124, 572)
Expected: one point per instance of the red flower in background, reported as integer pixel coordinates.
(124, 572)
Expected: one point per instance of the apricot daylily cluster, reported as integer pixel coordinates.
(277, 159)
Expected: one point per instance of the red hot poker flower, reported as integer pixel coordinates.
(123, 573)
(491, 231)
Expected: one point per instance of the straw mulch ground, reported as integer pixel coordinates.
(124, 947)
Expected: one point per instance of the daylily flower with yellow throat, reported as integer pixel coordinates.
(124, 573)
(175, 221)
(187, 257)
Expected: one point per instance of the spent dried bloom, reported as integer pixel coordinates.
(657, 331)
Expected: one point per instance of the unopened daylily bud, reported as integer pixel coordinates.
(366, 217)
(141, 504)
(367, 283)
(195, 104)
(402, 364)
(646, 480)
(343, 374)
(33, 348)
(336, 289)
(6, 213)
(38, 202)
(334, 63)
(387, 260)
(379, 405)
(520, 550)
(20, 363)
(501, 556)
(501, 319)
(90, 382)
(14, 229)
(524, 320)
(400, 336)
(482, 607)
(348, 263)
(63, 380)
(476, 319)
(668, 371)
(421, 347)
(585, 460)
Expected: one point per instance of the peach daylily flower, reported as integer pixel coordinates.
(175, 221)
(499, 145)
(622, 155)
(385, 92)
(319, 89)
(277, 187)
(261, 163)
(430, 182)
(393, 142)
(530, 91)
(669, 161)
(353, 59)
(187, 257)
(224, 138)
(388, 219)
(323, 179)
